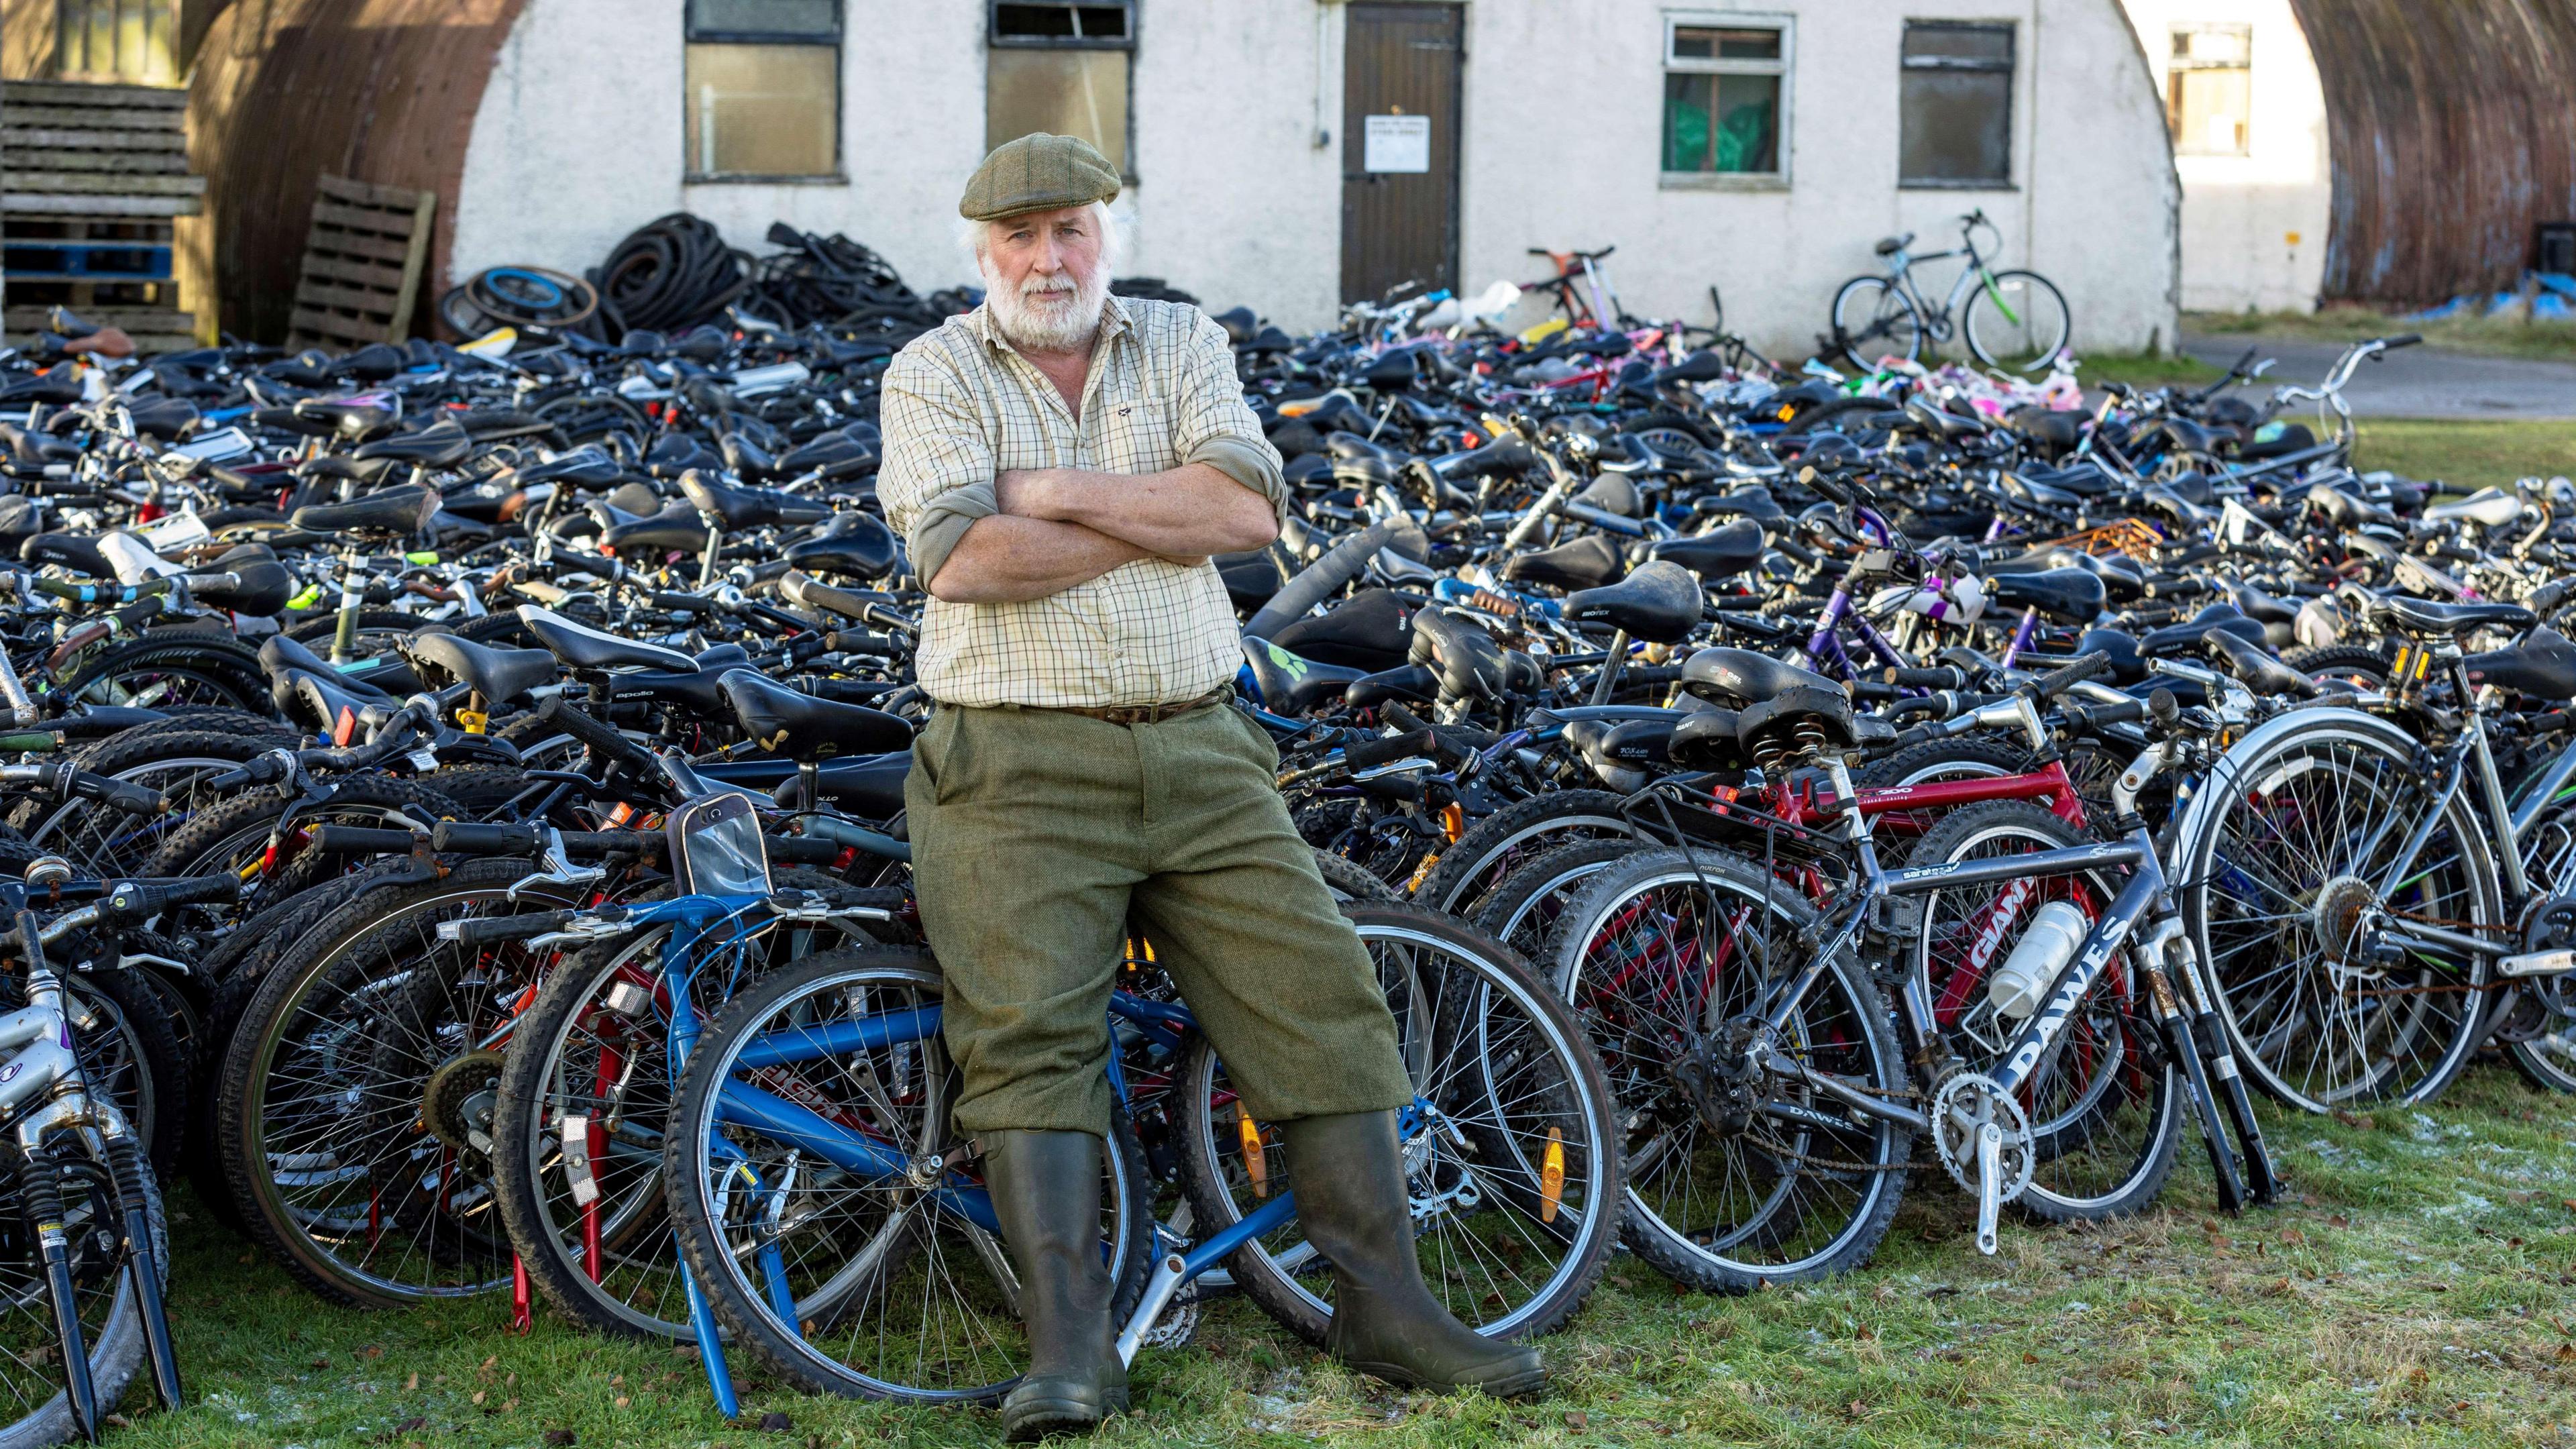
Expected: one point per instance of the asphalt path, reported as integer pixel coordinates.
(2412, 382)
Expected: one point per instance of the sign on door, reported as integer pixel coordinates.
(1397, 143)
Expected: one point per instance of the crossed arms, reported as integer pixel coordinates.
(1058, 527)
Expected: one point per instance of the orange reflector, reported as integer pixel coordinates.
(1301, 408)
(1551, 1176)
(1453, 820)
(346, 726)
(1422, 872)
(1253, 1164)
(623, 813)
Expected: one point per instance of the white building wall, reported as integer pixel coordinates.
(2253, 226)
(578, 141)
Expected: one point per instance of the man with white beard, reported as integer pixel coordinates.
(1062, 463)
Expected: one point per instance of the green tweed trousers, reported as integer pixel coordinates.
(1039, 835)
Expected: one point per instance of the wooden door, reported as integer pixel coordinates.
(1400, 81)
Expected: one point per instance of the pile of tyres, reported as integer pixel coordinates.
(1612, 659)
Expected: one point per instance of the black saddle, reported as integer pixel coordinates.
(1741, 677)
(1707, 740)
(1467, 661)
(2256, 604)
(1659, 603)
(1890, 245)
(75, 551)
(870, 787)
(307, 689)
(1587, 563)
(443, 444)
(2083, 479)
(246, 585)
(500, 676)
(853, 545)
(1751, 502)
(584, 647)
(679, 527)
(2128, 665)
(1373, 631)
(740, 508)
(1718, 554)
(2184, 637)
(2543, 664)
(2071, 596)
(2418, 616)
(355, 421)
(580, 468)
(1411, 683)
(404, 510)
(1290, 685)
(2256, 669)
(801, 727)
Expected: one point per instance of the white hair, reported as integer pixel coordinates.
(972, 235)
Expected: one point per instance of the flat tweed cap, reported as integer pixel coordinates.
(1037, 172)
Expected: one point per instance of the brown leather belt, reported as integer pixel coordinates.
(1136, 714)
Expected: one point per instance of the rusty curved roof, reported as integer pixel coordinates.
(2452, 129)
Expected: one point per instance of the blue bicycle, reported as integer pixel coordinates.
(838, 1225)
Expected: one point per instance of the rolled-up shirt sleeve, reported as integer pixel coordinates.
(1216, 427)
(937, 478)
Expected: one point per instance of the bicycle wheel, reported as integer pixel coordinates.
(2536, 1022)
(1513, 1164)
(2017, 321)
(2282, 860)
(1731, 1187)
(35, 1411)
(351, 1094)
(1512, 837)
(1523, 911)
(864, 1285)
(1873, 316)
(2105, 1107)
(589, 1056)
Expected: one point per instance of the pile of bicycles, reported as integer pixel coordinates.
(457, 823)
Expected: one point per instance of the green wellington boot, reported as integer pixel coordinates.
(1348, 1173)
(1046, 1191)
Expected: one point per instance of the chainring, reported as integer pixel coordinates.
(1960, 1109)
(459, 1101)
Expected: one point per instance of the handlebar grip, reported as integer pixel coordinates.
(800, 850)
(592, 564)
(2058, 681)
(135, 901)
(468, 838)
(2164, 707)
(2404, 339)
(592, 844)
(1942, 677)
(486, 930)
(863, 641)
(117, 794)
(602, 738)
(2084, 717)
(359, 840)
(682, 603)
(1368, 753)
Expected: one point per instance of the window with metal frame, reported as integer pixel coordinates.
(135, 41)
(1061, 66)
(1955, 105)
(1726, 95)
(2209, 90)
(764, 90)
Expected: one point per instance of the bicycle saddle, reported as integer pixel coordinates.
(1717, 554)
(163, 418)
(500, 676)
(740, 508)
(1587, 563)
(801, 727)
(1411, 683)
(580, 468)
(1707, 740)
(356, 421)
(248, 585)
(1290, 685)
(75, 551)
(2179, 638)
(834, 455)
(2486, 506)
(1373, 631)
(1890, 245)
(403, 510)
(440, 445)
(1741, 677)
(853, 545)
(584, 647)
(2543, 664)
(1701, 366)
(1659, 602)
(2422, 617)
(1753, 501)
(2256, 604)
(679, 526)
(870, 787)
(1612, 493)
(2256, 669)
(1494, 460)
(2083, 478)
(1467, 661)
(2069, 595)
(2128, 665)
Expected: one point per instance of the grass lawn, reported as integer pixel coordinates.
(2416, 1291)
(2145, 369)
(2467, 454)
(2494, 336)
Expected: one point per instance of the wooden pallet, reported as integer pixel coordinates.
(96, 151)
(362, 264)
